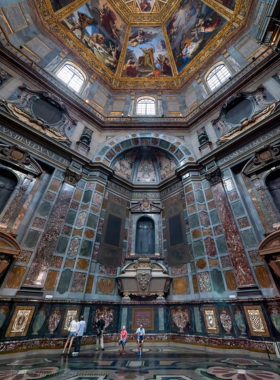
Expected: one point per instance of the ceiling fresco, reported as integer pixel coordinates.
(101, 30)
(146, 54)
(152, 44)
(190, 28)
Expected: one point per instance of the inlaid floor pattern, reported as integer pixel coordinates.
(155, 364)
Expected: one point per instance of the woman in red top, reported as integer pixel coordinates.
(122, 341)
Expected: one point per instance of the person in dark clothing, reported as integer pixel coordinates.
(100, 324)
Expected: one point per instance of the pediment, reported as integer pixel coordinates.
(9, 245)
(146, 206)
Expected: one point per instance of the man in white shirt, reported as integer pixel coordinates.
(72, 333)
(140, 338)
(81, 327)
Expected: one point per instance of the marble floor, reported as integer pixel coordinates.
(156, 363)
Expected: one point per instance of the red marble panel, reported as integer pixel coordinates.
(16, 201)
(42, 260)
(210, 246)
(233, 196)
(190, 198)
(204, 219)
(237, 252)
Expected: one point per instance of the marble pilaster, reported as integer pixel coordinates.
(237, 252)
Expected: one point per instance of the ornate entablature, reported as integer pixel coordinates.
(43, 111)
(152, 44)
(241, 112)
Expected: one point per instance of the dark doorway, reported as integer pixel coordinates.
(145, 236)
(273, 184)
(8, 182)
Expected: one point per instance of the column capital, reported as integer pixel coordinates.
(214, 176)
(72, 176)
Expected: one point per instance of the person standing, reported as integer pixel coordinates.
(81, 326)
(72, 333)
(140, 338)
(100, 329)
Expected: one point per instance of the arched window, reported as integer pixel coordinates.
(217, 77)
(146, 106)
(71, 76)
(273, 184)
(8, 182)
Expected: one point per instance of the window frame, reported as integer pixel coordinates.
(208, 72)
(142, 97)
(78, 68)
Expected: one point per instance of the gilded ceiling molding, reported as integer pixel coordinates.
(169, 51)
(168, 9)
(45, 8)
(66, 11)
(222, 10)
(122, 9)
(123, 53)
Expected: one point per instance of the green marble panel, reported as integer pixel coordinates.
(222, 245)
(249, 238)
(238, 209)
(217, 281)
(87, 196)
(92, 221)
(62, 244)
(44, 209)
(70, 218)
(32, 238)
(198, 248)
(193, 221)
(86, 248)
(214, 217)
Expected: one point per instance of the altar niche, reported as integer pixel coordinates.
(145, 236)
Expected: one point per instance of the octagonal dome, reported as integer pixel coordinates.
(144, 43)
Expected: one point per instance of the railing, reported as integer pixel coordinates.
(269, 26)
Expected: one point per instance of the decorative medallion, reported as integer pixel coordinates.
(180, 317)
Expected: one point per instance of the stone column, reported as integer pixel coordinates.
(160, 109)
(42, 260)
(242, 269)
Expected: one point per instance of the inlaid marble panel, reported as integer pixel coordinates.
(51, 280)
(105, 285)
(64, 281)
(20, 321)
(262, 276)
(256, 320)
(210, 319)
(15, 277)
(217, 281)
(78, 283)
(210, 246)
(89, 284)
(180, 285)
(204, 282)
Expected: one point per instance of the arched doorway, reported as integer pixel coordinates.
(145, 236)
(8, 182)
(273, 185)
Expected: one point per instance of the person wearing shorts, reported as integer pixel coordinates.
(140, 338)
(122, 341)
(72, 334)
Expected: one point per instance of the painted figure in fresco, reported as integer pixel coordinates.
(108, 19)
(107, 55)
(84, 21)
(131, 68)
(149, 58)
(164, 64)
(145, 6)
(140, 37)
(206, 26)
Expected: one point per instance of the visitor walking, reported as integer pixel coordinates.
(122, 341)
(81, 326)
(140, 338)
(72, 333)
(100, 329)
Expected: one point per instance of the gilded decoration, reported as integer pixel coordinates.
(210, 319)
(256, 321)
(20, 321)
(70, 315)
(136, 14)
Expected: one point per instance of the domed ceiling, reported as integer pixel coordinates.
(145, 166)
(144, 43)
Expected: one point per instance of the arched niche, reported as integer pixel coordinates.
(273, 186)
(171, 144)
(145, 236)
(9, 249)
(8, 182)
(269, 249)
